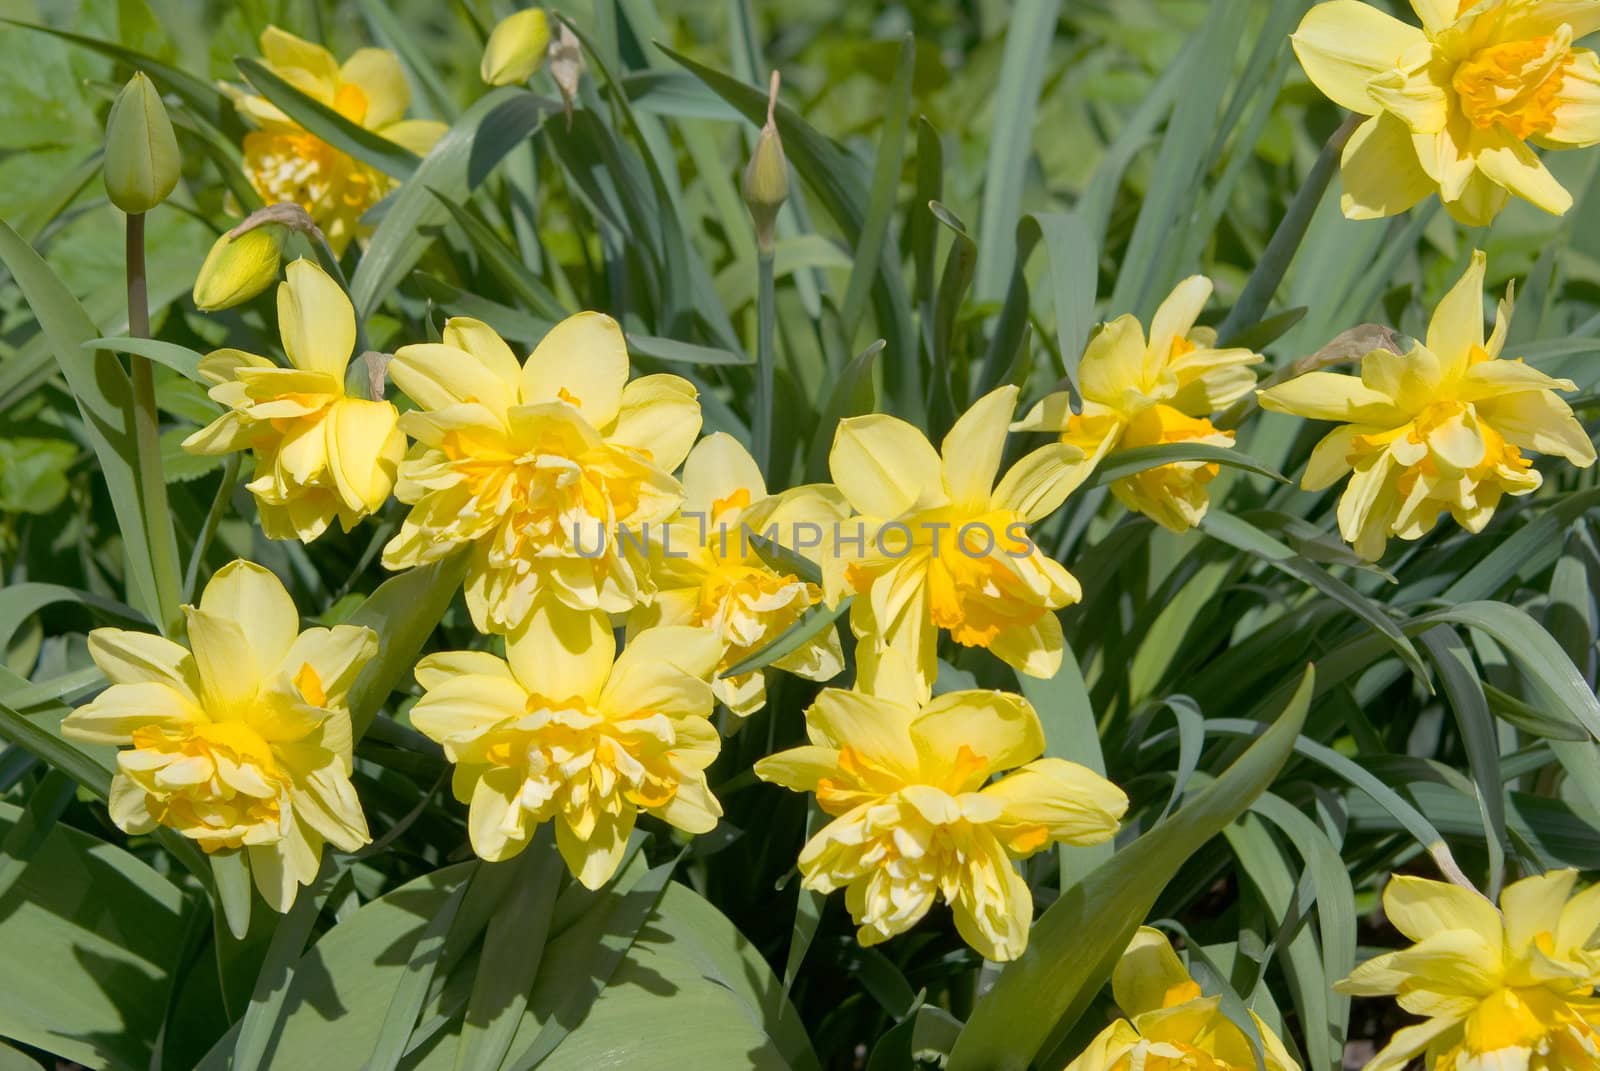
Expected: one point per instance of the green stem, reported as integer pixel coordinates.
(766, 324)
(1285, 241)
(147, 435)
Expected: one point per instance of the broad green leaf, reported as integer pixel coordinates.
(885, 185)
(1124, 463)
(404, 611)
(180, 359)
(1078, 940)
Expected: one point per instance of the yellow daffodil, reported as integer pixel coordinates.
(913, 817)
(708, 573)
(555, 471)
(1153, 391)
(561, 730)
(1453, 104)
(938, 545)
(241, 740)
(286, 162)
(1170, 1025)
(1442, 427)
(1507, 988)
(319, 452)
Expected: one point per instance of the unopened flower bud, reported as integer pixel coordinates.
(239, 267)
(566, 65)
(766, 177)
(141, 164)
(516, 48)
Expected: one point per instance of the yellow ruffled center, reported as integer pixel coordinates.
(301, 168)
(1534, 1027)
(1150, 1055)
(1514, 85)
(748, 604)
(973, 592)
(217, 783)
(581, 766)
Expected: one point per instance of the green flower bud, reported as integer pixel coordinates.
(142, 164)
(240, 267)
(766, 177)
(516, 48)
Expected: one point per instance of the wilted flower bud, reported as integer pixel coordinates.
(566, 64)
(239, 267)
(516, 48)
(766, 177)
(141, 165)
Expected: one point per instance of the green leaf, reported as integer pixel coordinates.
(1076, 943)
(180, 359)
(352, 139)
(811, 624)
(1137, 459)
(885, 185)
(851, 395)
(33, 475)
(670, 349)
(105, 399)
(404, 611)
(500, 121)
(1458, 676)
(1070, 732)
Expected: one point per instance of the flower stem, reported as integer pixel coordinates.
(1285, 241)
(208, 530)
(147, 438)
(766, 325)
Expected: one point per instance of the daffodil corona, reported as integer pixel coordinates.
(708, 573)
(241, 740)
(939, 546)
(1171, 1026)
(1507, 988)
(286, 162)
(1154, 391)
(1440, 428)
(914, 817)
(320, 454)
(1454, 103)
(553, 471)
(563, 730)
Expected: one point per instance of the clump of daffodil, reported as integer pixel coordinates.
(938, 546)
(1442, 427)
(565, 730)
(708, 573)
(554, 471)
(1507, 988)
(1170, 1025)
(516, 48)
(1154, 391)
(242, 739)
(286, 162)
(915, 817)
(319, 453)
(1454, 104)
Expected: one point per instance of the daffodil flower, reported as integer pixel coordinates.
(319, 453)
(707, 571)
(1154, 391)
(1442, 427)
(1506, 988)
(241, 740)
(1170, 1025)
(1454, 103)
(939, 546)
(564, 730)
(915, 819)
(554, 471)
(286, 162)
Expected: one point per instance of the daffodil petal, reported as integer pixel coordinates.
(582, 361)
(659, 415)
(1380, 171)
(316, 319)
(253, 599)
(1343, 44)
(971, 452)
(560, 653)
(884, 466)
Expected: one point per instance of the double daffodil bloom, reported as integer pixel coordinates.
(1454, 104)
(286, 162)
(1507, 988)
(938, 545)
(319, 453)
(913, 817)
(241, 740)
(1442, 427)
(707, 571)
(1170, 1025)
(1153, 391)
(555, 471)
(562, 731)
